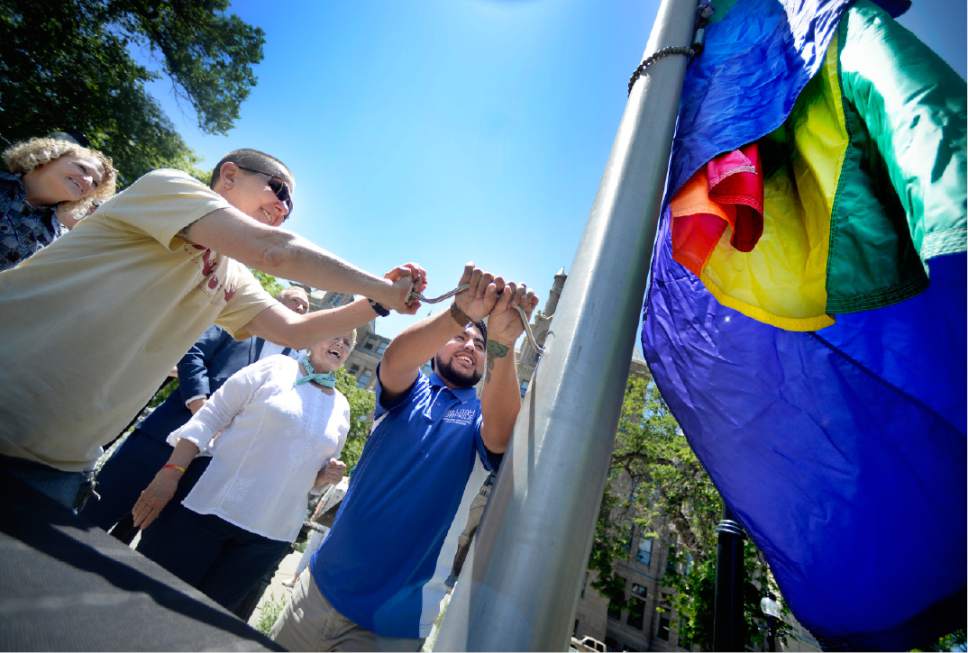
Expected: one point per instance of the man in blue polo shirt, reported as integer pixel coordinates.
(377, 581)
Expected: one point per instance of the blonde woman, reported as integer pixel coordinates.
(275, 430)
(49, 184)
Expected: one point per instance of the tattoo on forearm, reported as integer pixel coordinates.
(495, 350)
(459, 316)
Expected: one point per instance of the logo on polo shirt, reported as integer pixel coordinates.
(460, 416)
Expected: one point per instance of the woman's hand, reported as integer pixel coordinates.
(331, 473)
(155, 497)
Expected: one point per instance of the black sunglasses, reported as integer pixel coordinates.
(277, 186)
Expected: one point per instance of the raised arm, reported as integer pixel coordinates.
(501, 397)
(281, 253)
(278, 325)
(284, 327)
(418, 343)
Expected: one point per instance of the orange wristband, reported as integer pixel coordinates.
(173, 466)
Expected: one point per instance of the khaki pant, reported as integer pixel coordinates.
(310, 623)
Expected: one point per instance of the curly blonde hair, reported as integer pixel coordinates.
(24, 156)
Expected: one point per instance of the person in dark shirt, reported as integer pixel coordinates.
(48, 184)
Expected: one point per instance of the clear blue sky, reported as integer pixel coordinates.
(440, 131)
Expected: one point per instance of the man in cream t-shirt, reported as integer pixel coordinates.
(92, 324)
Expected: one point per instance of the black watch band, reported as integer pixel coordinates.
(380, 309)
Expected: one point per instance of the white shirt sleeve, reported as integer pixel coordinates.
(195, 398)
(227, 402)
(344, 427)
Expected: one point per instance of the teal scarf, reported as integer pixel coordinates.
(326, 379)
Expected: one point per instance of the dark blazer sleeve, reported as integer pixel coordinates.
(192, 369)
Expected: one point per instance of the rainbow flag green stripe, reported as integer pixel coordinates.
(901, 197)
(863, 183)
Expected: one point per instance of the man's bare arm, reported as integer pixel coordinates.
(501, 396)
(418, 343)
(281, 253)
(284, 327)
(412, 348)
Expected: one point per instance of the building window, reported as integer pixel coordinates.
(382, 347)
(368, 345)
(644, 554)
(671, 561)
(364, 380)
(662, 632)
(524, 388)
(615, 601)
(640, 591)
(636, 612)
(354, 368)
(664, 614)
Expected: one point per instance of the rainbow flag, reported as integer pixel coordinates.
(812, 345)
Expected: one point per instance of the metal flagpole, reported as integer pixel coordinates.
(520, 583)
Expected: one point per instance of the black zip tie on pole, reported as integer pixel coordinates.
(703, 13)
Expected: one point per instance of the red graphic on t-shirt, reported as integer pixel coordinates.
(210, 262)
(208, 265)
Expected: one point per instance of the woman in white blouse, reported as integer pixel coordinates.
(275, 430)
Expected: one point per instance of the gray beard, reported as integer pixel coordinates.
(449, 374)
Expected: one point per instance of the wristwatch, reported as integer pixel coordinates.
(380, 309)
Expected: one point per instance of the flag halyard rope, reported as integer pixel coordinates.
(414, 295)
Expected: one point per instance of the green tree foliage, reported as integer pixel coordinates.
(170, 385)
(68, 65)
(693, 601)
(658, 486)
(955, 641)
(269, 282)
(362, 402)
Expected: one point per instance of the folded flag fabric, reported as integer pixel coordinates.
(726, 192)
(821, 376)
(849, 224)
